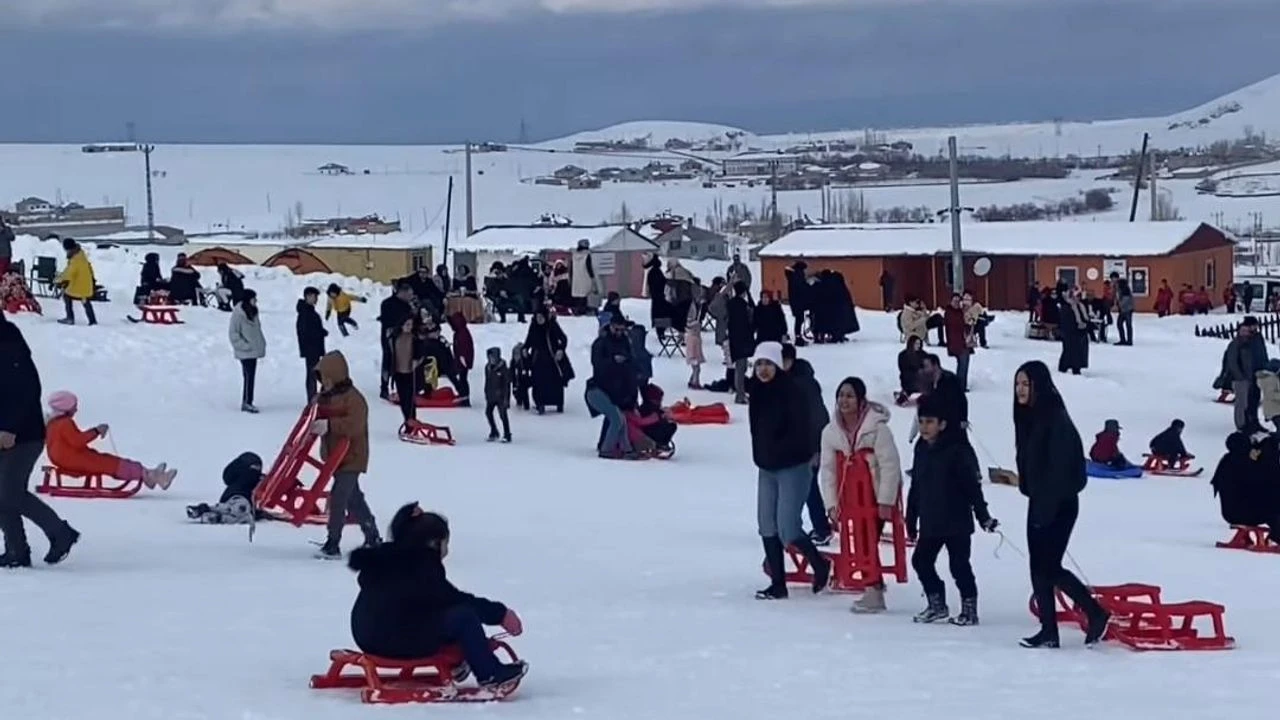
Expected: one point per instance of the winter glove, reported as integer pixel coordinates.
(102, 430)
(319, 427)
(511, 623)
(990, 524)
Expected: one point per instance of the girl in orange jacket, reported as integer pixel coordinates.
(69, 451)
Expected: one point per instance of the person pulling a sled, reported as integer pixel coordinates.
(945, 498)
(407, 608)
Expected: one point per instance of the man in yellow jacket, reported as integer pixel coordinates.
(77, 283)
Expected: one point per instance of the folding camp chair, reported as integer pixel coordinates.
(671, 342)
(43, 276)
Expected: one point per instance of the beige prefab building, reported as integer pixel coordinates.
(383, 258)
(257, 250)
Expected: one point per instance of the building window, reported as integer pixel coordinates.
(419, 260)
(1139, 281)
(1210, 274)
(1070, 276)
(693, 249)
(673, 245)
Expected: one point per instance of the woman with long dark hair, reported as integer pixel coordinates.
(249, 345)
(1051, 474)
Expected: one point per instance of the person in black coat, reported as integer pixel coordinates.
(1051, 474)
(241, 477)
(1168, 445)
(545, 346)
(150, 280)
(613, 388)
(799, 297)
(311, 335)
(769, 320)
(910, 363)
(945, 497)
(424, 292)
(230, 287)
(802, 372)
(656, 285)
(782, 447)
(184, 282)
(741, 339)
(407, 608)
(392, 315)
(1245, 484)
(946, 390)
(21, 444)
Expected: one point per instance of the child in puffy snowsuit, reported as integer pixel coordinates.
(69, 451)
(235, 506)
(1168, 444)
(407, 608)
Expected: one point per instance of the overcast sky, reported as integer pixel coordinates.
(352, 71)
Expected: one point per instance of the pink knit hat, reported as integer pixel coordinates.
(63, 402)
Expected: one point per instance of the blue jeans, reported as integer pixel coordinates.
(962, 370)
(780, 500)
(461, 626)
(615, 426)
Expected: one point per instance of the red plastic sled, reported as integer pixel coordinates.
(856, 562)
(57, 483)
(425, 680)
(443, 397)
(282, 494)
(686, 413)
(13, 307)
(421, 433)
(1159, 466)
(1140, 620)
(1251, 538)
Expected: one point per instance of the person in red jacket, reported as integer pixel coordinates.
(464, 357)
(1164, 299)
(1229, 299)
(959, 338)
(1106, 447)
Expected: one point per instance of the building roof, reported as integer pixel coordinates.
(762, 156)
(1101, 238)
(371, 241)
(537, 238)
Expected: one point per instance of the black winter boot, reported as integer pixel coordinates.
(819, 565)
(968, 612)
(935, 610)
(1045, 639)
(773, 562)
(60, 544)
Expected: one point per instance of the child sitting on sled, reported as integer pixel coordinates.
(1106, 447)
(407, 608)
(69, 451)
(235, 506)
(1245, 484)
(1168, 444)
(15, 296)
(649, 424)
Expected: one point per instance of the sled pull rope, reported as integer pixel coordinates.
(1004, 540)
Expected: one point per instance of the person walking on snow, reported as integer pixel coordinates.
(464, 357)
(497, 393)
(343, 413)
(741, 339)
(248, 344)
(583, 283)
(959, 339)
(22, 434)
(1124, 306)
(782, 448)
(1244, 357)
(77, 283)
(945, 498)
(859, 425)
(311, 334)
(1051, 474)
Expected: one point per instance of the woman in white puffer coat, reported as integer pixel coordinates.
(855, 425)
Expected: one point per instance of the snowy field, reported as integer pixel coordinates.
(635, 581)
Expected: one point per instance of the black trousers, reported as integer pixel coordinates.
(344, 319)
(406, 395)
(797, 325)
(313, 380)
(249, 373)
(388, 364)
(925, 557)
(17, 502)
(69, 305)
(502, 414)
(461, 383)
(1046, 546)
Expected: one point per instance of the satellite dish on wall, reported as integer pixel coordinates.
(982, 266)
(1091, 273)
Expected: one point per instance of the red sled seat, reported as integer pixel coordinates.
(443, 397)
(432, 679)
(1251, 538)
(160, 314)
(64, 483)
(686, 413)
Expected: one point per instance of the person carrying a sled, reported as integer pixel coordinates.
(945, 498)
(235, 506)
(1168, 444)
(407, 608)
(69, 451)
(343, 413)
(1106, 447)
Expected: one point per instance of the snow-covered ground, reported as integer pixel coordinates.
(634, 580)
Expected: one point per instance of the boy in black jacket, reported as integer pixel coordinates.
(945, 497)
(1168, 444)
(497, 393)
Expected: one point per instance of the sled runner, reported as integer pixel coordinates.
(1141, 620)
(854, 552)
(1251, 538)
(421, 433)
(157, 315)
(62, 483)
(432, 679)
(444, 397)
(1099, 470)
(283, 495)
(1226, 397)
(684, 412)
(1157, 465)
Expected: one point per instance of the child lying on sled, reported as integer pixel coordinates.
(235, 506)
(69, 451)
(407, 608)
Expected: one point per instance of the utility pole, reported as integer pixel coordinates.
(957, 250)
(448, 219)
(151, 209)
(1137, 180)
(1151, 179)
(471, 225)
(775, 222)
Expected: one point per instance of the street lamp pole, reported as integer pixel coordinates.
(957, 250)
